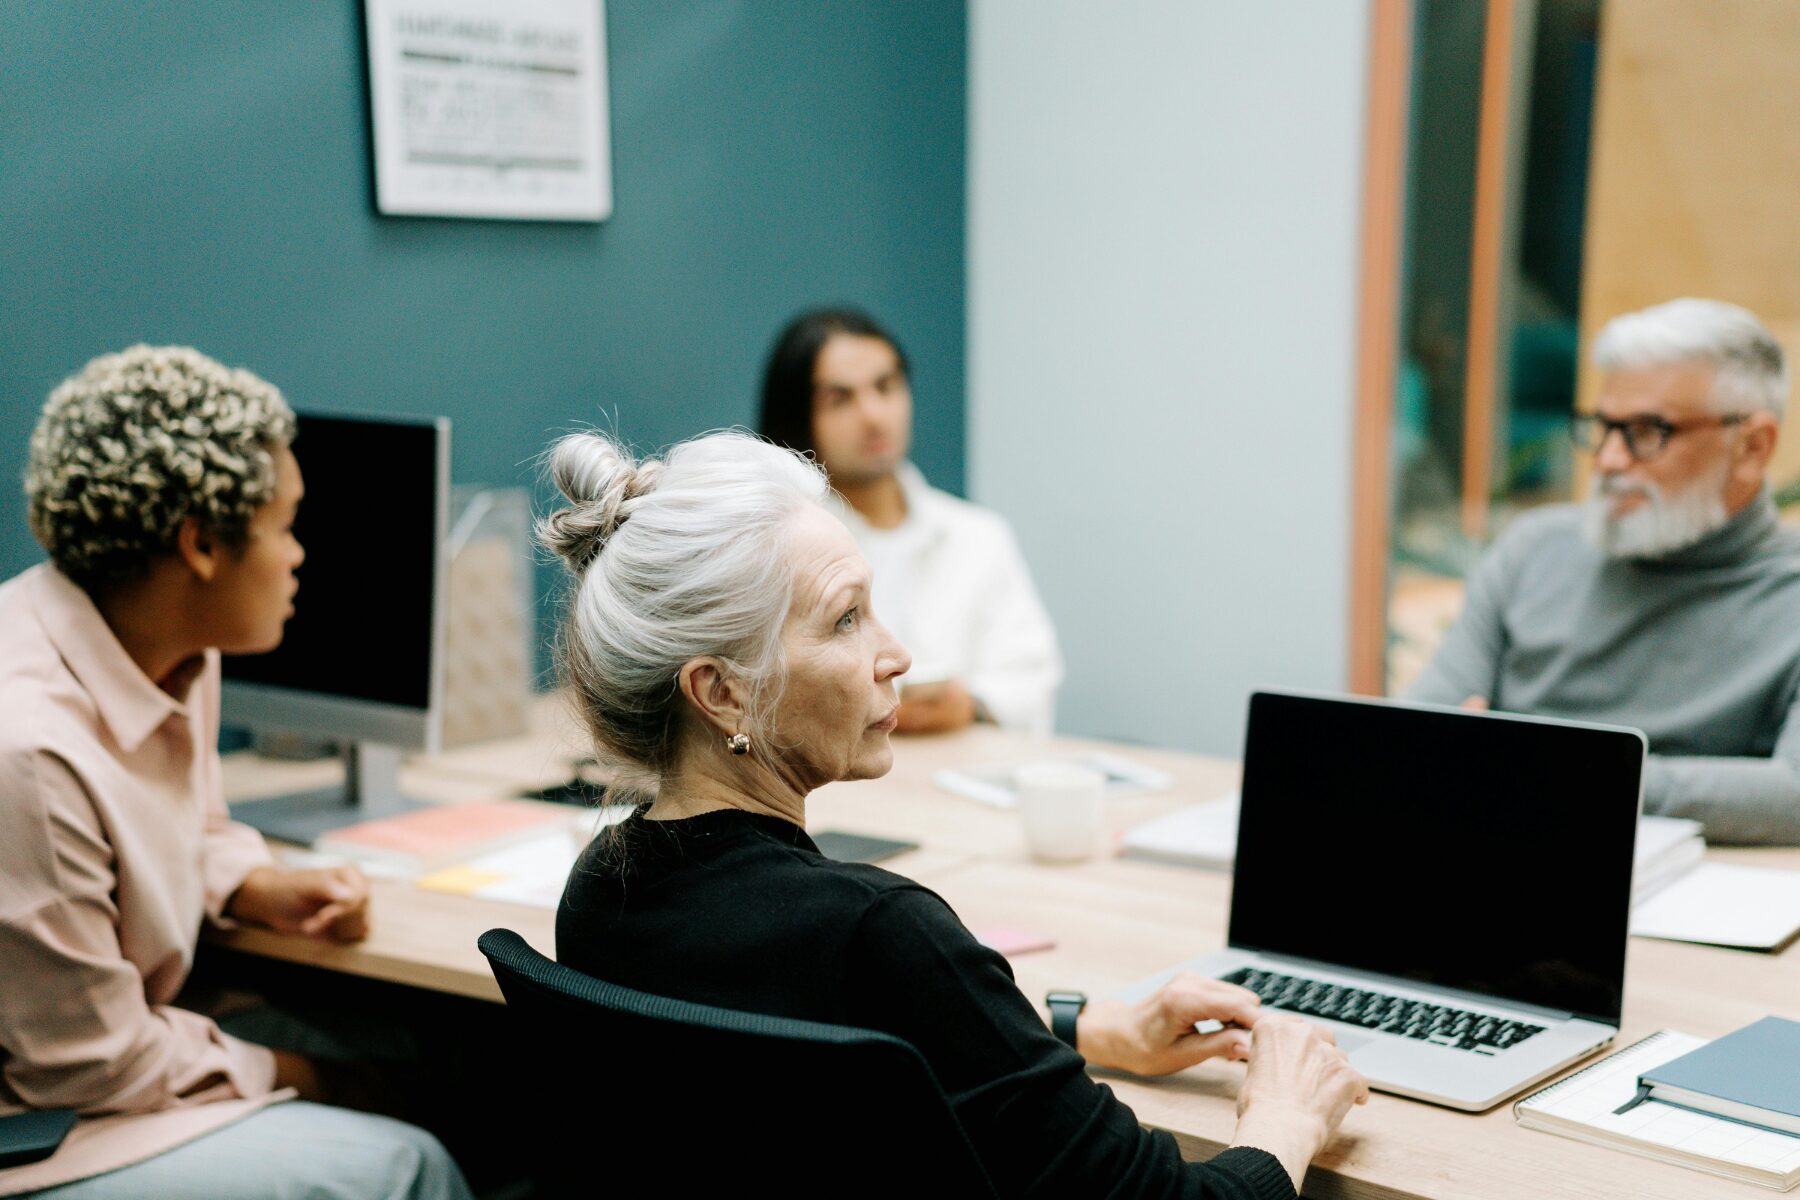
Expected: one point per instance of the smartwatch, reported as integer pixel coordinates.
(1065, 1007)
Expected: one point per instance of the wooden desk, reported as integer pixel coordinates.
(1115, 921)
(419, 938)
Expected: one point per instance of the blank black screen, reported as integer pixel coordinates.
(369, 525)
(1480, 852)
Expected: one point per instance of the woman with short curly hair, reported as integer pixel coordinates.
(161, 485)
(140, 442)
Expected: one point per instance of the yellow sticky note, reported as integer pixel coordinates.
(460, 880)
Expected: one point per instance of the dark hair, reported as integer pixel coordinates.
(787, 385)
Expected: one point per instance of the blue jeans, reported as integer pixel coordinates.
(291, 1151)
(295, 1150)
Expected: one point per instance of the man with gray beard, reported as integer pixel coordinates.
(1670, 599)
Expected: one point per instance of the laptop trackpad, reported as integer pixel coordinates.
(1350, 1043)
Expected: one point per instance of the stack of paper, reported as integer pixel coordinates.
(1667, 848)
(1204, 835)
(444, 833)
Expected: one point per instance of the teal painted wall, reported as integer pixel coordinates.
(197, 172)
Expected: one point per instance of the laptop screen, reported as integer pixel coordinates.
(1486, 853)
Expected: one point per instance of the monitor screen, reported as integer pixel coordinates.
(362, 627)
(1485, 853)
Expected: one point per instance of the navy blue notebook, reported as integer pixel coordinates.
(1752, 1075)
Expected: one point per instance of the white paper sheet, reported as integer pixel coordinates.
(1204, 835)
(995, 785)
(531, 872)
(1723, 904)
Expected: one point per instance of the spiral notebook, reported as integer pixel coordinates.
(1582, 1107)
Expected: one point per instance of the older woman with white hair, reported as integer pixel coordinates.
(723, 652)
(1670, 599)
(162, 487)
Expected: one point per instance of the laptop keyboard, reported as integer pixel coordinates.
(1438, 1024)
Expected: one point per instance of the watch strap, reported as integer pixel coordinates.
(1065, 1012)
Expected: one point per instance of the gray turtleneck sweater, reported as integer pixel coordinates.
(1700, 649)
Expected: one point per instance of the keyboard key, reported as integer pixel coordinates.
(1438, 1024)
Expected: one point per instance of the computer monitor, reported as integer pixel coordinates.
(361, 660)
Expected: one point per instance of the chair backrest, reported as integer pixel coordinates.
(689, 1097)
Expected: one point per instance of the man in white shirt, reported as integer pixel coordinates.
(949, 578)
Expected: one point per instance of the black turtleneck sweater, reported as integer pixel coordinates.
(743, 912)
(1699, 648)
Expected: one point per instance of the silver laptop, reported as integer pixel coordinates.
(1447, 891)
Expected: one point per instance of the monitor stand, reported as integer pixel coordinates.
(371, 789)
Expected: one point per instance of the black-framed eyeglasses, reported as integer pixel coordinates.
(1645, 437)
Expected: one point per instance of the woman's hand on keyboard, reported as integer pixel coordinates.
(1156, 1036)
(1296, 1092)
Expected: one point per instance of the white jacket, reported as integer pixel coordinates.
(951, 584)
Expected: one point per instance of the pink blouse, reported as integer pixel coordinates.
(114, 844)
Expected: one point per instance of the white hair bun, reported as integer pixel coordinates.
(602, 483)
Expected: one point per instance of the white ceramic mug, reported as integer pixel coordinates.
(1063, 807)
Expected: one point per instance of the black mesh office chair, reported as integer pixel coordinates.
(645, 1095)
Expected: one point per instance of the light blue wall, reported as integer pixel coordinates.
(197, 171)
(1163, 242)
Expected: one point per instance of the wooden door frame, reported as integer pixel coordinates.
(1378, 337)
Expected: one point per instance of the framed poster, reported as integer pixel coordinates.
(490, 108)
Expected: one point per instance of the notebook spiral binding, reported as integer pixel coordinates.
(1597, 1063)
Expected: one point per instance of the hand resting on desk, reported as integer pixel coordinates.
(329, 902)
(1298, 1088)
(939, 707)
